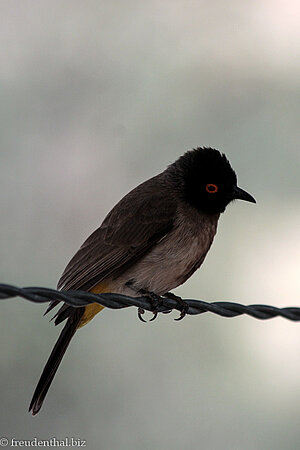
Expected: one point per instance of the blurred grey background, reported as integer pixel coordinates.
(96, 97)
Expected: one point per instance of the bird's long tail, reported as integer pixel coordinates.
(76, 318)
(54, 360)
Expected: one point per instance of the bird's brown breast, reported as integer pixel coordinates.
(174, 258)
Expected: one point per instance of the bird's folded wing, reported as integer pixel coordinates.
(132, 227)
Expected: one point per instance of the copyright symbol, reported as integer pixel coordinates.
(4, 442)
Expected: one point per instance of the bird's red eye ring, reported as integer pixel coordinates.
(211, 188)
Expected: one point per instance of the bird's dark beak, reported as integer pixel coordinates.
(243, 195)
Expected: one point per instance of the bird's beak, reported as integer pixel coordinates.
(243, 195)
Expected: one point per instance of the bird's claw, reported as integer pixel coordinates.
(183, 311)
(155, 302)
(141, 312)
(181, 304)
(154, 316)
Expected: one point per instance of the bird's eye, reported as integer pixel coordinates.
(211, 188)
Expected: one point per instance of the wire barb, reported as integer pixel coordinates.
(119, 301)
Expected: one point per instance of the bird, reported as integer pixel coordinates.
(151, 241)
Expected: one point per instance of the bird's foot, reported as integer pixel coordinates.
(155, 300)
(181, 304)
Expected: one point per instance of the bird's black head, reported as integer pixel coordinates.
(209, 182)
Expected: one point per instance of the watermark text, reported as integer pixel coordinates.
(37, 442)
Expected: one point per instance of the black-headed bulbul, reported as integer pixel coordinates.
(152, 241)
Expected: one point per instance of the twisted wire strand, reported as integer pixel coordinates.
(119, 301)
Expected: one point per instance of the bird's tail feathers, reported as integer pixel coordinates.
(54, 360)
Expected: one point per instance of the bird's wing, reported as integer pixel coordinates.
(132, 227)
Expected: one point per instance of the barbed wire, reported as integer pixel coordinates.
(119, 301)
